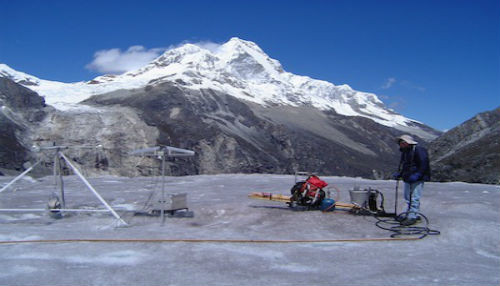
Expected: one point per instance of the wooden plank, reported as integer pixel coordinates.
(345, 205)
(286, 199)
(269, 197)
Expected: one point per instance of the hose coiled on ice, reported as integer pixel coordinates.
(394, 225)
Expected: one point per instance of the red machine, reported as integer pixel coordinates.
(309, 192)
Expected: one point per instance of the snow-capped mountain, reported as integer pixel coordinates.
(237, 108)
(238, 68)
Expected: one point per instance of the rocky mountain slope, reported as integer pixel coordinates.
(234, 106)
(21, 110)
(469, 152)
(230, 136)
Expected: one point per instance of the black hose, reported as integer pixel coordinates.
(394, 222)
(394, 225)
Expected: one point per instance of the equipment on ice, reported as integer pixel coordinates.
(305, 195)
(365, 202)
(308, 193)
(327, 205)
(56, 205)
(174, 204)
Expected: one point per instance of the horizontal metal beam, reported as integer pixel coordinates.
(51, 210)
(63, 147)
(167, 151)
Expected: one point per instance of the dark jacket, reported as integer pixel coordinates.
(414, 164)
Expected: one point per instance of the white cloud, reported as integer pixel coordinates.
(389, 83)
(207, 45)
(116, 61)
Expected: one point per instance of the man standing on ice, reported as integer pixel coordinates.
(414, 169)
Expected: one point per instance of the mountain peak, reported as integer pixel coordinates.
(238, 44)
(238, 68)
(246, 60)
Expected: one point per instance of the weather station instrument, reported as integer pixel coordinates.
(172, 202)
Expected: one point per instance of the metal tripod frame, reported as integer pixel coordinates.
(57, 167)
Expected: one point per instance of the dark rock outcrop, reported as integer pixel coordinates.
(21, 109)
(469, 152)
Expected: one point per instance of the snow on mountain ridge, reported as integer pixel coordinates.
(19, 77)
(237, 67)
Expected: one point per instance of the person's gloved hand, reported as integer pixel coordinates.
(396, 175)
(414, 177)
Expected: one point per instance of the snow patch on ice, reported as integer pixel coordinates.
(126, 257)
(7, 217)
(30, 216)
(29, 179)
(17, 270)
(250, 251)
(18, 216)
(487, 254)
(19, 238)
(128, 207)
(220, 213)
(296, 267)
(35, 256)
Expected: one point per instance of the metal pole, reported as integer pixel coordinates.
(61, 184)
(55, 168)
(396, 200)
(20, 176)
(92, 189)
(163, 188)
(61, 181)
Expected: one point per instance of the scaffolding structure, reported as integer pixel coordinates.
(58, 157)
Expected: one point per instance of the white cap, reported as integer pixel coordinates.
(407, 138)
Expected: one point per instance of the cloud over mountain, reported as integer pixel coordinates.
(115, 61)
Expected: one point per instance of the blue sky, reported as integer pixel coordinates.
(434, 61)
